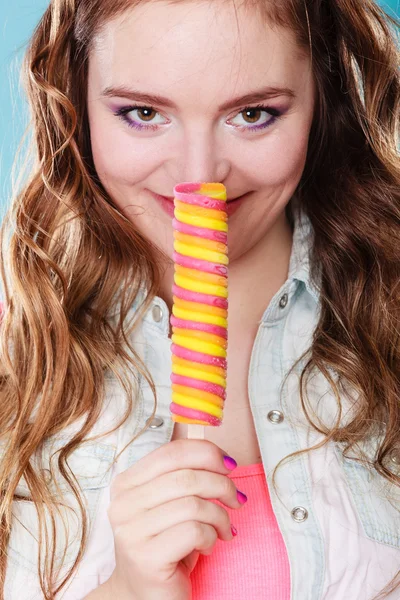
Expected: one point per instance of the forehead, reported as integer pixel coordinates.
(195, 49)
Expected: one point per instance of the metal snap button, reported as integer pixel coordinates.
(395, 456)
(299, 514)
(155, 422)
(283, 300)
(275, 416)
(47, 475)
(157, 313)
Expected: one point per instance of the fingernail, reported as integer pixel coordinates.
(230, 463)
(241, 497)
(234, 531)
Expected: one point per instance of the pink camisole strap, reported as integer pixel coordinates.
(253, 565)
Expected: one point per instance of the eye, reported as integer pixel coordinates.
(146, 114)
(145, 117)
(252, 117)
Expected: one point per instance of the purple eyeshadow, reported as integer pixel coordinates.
(122, 113)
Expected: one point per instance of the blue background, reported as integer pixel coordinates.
(17, 20)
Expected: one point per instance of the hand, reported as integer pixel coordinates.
(162, 518)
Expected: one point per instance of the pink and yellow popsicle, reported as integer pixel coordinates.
(200, 304)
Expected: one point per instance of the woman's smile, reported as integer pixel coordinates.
(167, 203)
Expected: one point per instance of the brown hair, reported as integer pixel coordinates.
(69, 257)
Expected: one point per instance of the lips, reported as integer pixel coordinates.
(228, 199)
(234, 199)
(167, 203)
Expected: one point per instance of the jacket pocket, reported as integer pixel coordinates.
(376, 499)
(91, 464)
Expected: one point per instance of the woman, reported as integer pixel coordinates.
(101, 495)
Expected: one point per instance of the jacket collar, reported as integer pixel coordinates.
(300, 258)
(299, 264)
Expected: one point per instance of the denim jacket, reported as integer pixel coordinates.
(339, 519)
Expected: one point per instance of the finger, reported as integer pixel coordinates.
(191, 560)
(194, 454)
(191, 508)
(181, 483)
(183, 539)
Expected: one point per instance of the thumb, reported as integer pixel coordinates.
(190, 560)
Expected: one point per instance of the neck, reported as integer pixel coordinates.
(254, 277)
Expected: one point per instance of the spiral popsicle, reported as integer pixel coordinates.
(200, 304)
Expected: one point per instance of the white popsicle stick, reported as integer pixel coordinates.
(196, 432)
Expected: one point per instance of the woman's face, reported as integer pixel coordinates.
(195, 59)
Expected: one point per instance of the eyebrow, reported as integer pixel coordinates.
(150, 99)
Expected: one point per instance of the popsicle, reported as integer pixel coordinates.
(200, 305)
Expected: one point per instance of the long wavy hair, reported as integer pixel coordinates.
(69, 257)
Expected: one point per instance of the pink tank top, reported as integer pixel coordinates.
(255, 563)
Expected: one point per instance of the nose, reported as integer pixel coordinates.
(202, 158)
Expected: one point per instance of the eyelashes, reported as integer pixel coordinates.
(123, 114)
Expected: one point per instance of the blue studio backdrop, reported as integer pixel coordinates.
(17, 20)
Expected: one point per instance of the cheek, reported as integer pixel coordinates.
(117, 158)
(282, 160)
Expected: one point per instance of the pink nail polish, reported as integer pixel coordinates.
(230, 463)
(241, 497)
(234, 530)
